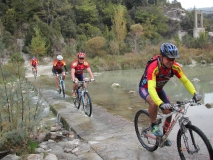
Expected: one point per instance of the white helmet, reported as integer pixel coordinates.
(59, 57)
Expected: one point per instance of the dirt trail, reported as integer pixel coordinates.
(42, 69)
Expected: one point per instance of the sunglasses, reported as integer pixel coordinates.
(170, 59)
(81, 58)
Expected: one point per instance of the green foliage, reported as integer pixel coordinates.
(9, 20)
(8, 39)
(61, 21)
(134, 37)
(32, 145)
(89, 30)
(2, 44)
(119, 24)
(153, 21)
(187, 24)
(200, 42)
(86, 12)
(95, 46)
(17, 58)
(38, 46)
(20, 113)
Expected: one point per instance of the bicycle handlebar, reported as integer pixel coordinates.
(86, 80)
(176, 106)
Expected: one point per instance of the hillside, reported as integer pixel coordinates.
(207, 10)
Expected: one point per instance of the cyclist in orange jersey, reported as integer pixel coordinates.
(34, 63)
(58, 65)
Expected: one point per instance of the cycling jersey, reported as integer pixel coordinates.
(58, 66)
(156, 76)
(34, 62)
(79, 67)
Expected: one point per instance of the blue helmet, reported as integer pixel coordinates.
(169, 50)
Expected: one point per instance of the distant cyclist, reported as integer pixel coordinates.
(157, 73)
(77, 70)
(34, 63)
(58, 66)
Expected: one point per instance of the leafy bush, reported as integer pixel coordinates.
(20, 113)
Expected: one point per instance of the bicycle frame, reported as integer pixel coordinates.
(82, 89)
(179, 115)
(61, 84)
(61, 81)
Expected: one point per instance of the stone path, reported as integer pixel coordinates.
(106, 136)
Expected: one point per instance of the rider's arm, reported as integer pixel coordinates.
(189, 86)
(73, 74)
(151, 77)
(53, 70)
(90, 73)
(153, 93)
(65, 68)
(186, 82)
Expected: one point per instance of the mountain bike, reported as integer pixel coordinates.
(34, 72)
(192, 143)
(61, 85)
(83, 97)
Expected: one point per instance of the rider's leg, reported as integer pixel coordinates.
(153, 109)
(57, 82)
(80, 78)
(165, 99)
(74, 87)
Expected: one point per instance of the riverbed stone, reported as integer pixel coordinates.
(51, 156)
(11, 157)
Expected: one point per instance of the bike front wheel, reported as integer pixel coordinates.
(63, 89)
(77, 100)
(87, 104)
(192, 143)
(144, 131)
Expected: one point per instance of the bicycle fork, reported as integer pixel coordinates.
(182, 122)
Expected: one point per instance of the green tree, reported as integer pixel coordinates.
(153, 21)
(9, 20)
(119, 24)
(86, 12)
(135, 37)
(2, 44)
(95, 46)
(38, 45)
(187, 24)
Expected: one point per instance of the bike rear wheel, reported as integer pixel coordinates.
(77, 100)
(193, 144)
(87, 104)
(144, 131)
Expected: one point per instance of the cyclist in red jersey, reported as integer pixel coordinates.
(156, 75)
(34, 63)
(58, 65)
(77, 70)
